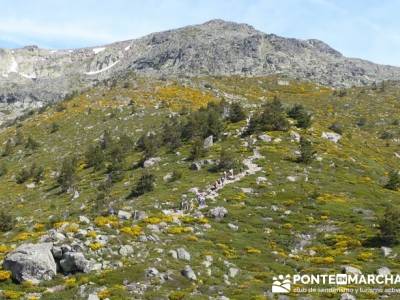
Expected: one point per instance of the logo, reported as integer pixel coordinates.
(281, 284)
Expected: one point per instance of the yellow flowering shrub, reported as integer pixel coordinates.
(95, 246)
(287, 226)
(132, 231)
(73, 228)
(22, 236)
(104, 294)
(4, 249)
(323, 260)
(178, 229)
(91, 234)
(70, 282)
(8, 294)
(58, 225)
(5, 275)
(152, 220)
(252, 250)
(365, 256)
(106, 221)
(38, 227)
(192, 238)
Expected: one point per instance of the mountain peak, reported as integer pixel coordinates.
(216, 47)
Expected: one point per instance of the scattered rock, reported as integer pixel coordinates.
(173, 253)
(260, 180)
(331, 136)
(295, 137)
(386, 251)
(93, 297)
(265, 138)
(188, 273)
(292, 178)
(124, 215)
(126, 250)
(84, 220)
(75, 262)
(383, 271)
(208, 142)
(168, 177)
(31, 262)
(247, 190)
(196, 166)
(233, 227)
(351, 270)
(151, 162)
(31, 185)
(218, 212)
(151, 272)
(347, 296)
(232, 272)
(182, 254)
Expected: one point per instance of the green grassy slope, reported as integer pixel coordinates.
(334, 201)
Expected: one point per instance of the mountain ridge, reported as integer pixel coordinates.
(32, 77)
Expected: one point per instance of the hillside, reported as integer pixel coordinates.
(187, 237)
(31, 77)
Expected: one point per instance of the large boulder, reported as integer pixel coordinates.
(31, 262)
(75, 262)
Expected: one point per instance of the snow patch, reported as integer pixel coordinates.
(98, 50)
(102, 70)
(127, 47)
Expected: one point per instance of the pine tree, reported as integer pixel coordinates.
(144, 185)
(389, 225)
(236, 113)
(197, 151)
(306, 151)
(94, 157)
(67, 176)
(394, 181)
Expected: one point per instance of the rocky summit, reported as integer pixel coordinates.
(31, 77)
(153, 178)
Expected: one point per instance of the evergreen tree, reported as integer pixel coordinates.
(227, 161)
(94, 157)
(197, 151)
(8, 148)
(306, 151)
(67, 176)
(172, 134)
(394, 181)
(7, 222)
(389, 225)
(271, 118)
(299, 113)
(144, 185)
(236, 113)
(31, 144)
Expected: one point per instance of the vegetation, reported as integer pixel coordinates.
(394, 180)
(389, 226)
(144, 185)
(337, 198)
(67, 174)
(306, 151)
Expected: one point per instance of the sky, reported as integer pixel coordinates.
(368, 29)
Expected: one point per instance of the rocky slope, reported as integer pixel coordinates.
(31, 77)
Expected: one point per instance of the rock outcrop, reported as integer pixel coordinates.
(31, 262)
